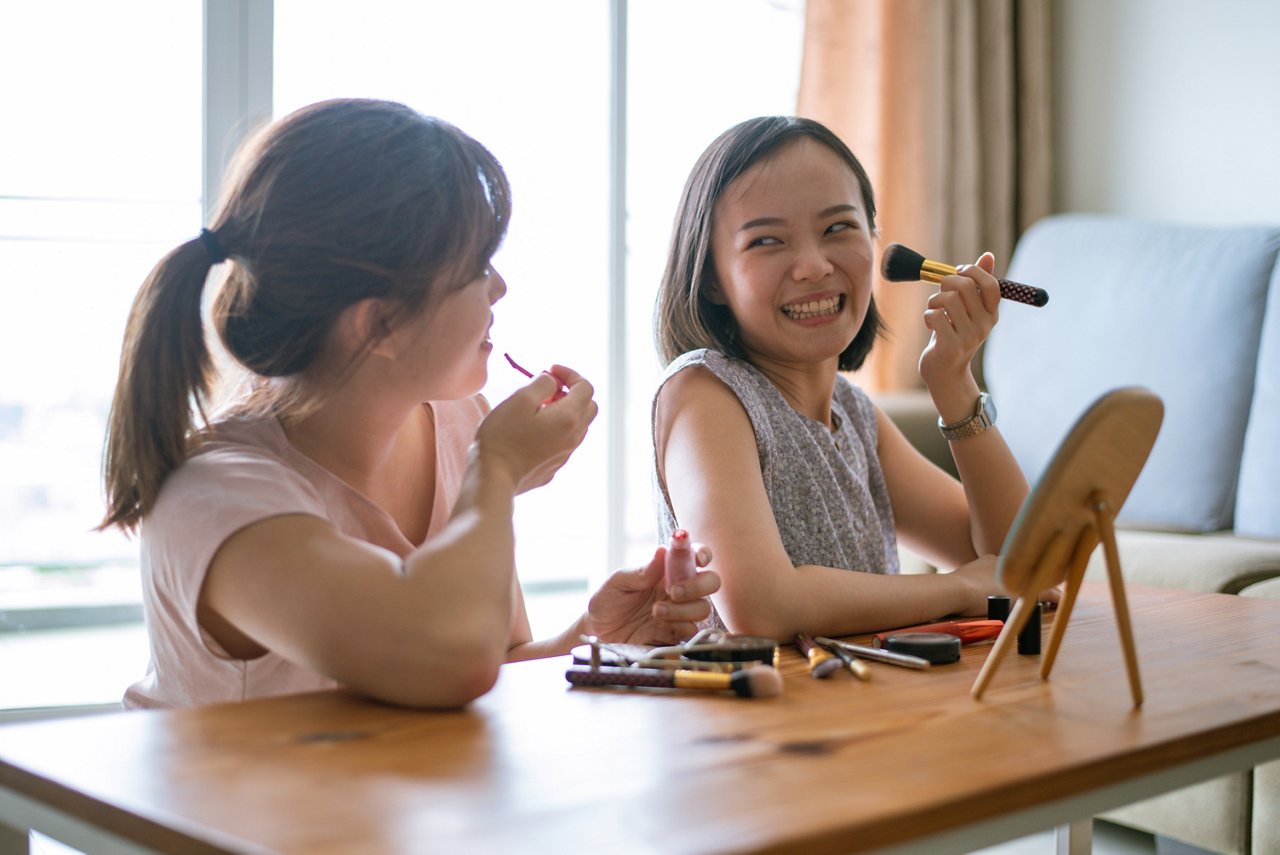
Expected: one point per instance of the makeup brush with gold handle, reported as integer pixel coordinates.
(899, 264)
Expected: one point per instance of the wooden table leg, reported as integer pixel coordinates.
(1075, 838)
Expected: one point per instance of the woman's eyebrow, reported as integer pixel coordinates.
(760, 221)
(838, 209)
(842, 208)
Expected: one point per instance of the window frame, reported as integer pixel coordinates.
(236, 99)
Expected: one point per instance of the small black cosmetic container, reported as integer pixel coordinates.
(1029, 638)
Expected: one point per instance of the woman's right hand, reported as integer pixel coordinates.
(979, 577)
(533, 432)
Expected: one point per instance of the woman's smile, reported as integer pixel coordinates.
(811, 310)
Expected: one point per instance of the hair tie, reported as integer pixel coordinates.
(217, 254)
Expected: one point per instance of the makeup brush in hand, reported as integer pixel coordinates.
(900, 264)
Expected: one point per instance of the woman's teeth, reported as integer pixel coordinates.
(813, 308)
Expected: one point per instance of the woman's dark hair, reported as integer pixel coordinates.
(338, 202)
(685, 318)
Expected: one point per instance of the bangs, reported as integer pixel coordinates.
(475, 211)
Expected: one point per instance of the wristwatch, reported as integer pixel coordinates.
(984, 416)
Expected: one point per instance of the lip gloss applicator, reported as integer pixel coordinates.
(681, 564)
(560, 392)
(899, 264)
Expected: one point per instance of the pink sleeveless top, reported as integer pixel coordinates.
(247, 472)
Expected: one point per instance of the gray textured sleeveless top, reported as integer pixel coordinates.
(826, 487)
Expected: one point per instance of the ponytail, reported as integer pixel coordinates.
(164, 375)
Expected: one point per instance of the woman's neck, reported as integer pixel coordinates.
(359, 438)
(807, 387)
(391, 462)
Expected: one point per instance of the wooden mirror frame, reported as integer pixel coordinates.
(1071, 509)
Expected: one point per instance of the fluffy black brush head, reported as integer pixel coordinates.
(899, 264)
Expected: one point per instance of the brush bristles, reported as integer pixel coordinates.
(900, 264)
(758, 682)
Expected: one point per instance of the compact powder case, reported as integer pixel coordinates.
(936, 647)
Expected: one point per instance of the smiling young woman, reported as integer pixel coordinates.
(790, 472)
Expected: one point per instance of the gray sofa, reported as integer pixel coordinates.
(1192, 314)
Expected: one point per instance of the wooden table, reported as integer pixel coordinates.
(907, 762)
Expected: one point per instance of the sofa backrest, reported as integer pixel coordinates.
(1176, 309)
(1258, 498)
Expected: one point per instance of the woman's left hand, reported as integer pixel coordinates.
(960, 316)
(634, 607)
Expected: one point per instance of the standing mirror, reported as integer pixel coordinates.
(1069, 512)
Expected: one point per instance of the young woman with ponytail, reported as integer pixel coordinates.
(346, 519)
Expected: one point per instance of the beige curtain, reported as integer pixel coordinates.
(947, 104)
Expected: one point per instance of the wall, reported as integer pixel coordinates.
(1169, 109)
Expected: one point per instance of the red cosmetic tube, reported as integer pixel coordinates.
(968, 631)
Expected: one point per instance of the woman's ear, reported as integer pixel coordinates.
(363, 327)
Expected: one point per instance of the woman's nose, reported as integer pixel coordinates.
(811, 264)
(497, 286)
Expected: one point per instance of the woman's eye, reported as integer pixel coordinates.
(763, 241)
(841, 226)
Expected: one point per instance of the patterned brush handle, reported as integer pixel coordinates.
(1023, 293)
(654, 677)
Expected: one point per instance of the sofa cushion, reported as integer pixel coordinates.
(1258, 499)
(1217, 563)
(1175, 309)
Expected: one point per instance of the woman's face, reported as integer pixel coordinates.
(449, 345)
(793, 255)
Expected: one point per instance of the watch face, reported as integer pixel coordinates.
(988, 405)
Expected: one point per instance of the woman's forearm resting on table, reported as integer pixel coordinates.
(430, 630)
(830, 601)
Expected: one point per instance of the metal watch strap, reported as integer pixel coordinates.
(974, 424)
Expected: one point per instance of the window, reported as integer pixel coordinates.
(694, 70)
(544, 113)
(108, 178)
(99, 176)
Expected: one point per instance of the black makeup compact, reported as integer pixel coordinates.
(731, 652)
(938, 648)
(734, 648)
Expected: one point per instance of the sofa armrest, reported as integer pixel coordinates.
(914, 414)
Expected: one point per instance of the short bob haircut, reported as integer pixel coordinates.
(684, 318)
